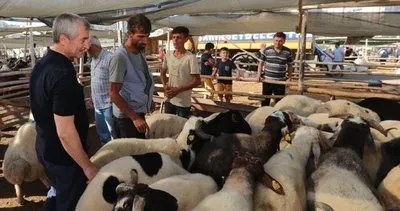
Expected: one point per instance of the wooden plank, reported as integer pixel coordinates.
(14, 94)
(13, 88)
(17, 82)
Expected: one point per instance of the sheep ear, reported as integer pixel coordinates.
(124, 187)
(316, 150)
(134, 176)
(271, 183)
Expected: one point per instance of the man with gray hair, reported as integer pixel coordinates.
(58, 106)
(99, 85)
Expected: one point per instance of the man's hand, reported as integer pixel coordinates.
(172, 92)
(259, 78)
(213, 76)
(90, 171)
(140, 124)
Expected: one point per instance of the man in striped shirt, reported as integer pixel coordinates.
(276, 60)
(100, 85)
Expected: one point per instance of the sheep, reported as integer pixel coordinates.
(338, 107)
(323, 118)
(164, 125)
(385, 108)
(389, 189)
(392, 127)
(21, 162)
(227, 122)
(340, 181)
(288, 167)
(379, 160)
(238, 190)
(299, 104)
(257, 117)
(100, 193)
(133, 146)
(172, 193)
(214, 154)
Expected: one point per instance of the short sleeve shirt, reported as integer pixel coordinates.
(225, 68)
(275, 66)
(206, 69)
(54, 89)
(181, 71)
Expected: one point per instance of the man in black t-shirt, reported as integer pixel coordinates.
(224, 68)
(59, 110)
(206, 67)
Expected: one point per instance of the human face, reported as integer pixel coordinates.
(224, 54)
(138, 38)
(179, 40)
(278, 42)
(76, 46)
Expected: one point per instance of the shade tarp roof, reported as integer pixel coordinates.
(159, 8)
(327, 24)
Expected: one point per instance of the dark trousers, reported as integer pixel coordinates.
(170, 108)
(69, 182)
(124, 128)
(340, 66)
(269, 89)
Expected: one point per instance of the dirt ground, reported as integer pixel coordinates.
(35, 192)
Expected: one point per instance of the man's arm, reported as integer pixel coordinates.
(195, 82)
(72, 144)
(259, 69)
(290, 71)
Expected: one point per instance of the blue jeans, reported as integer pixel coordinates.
(103, 119)
(170, 108)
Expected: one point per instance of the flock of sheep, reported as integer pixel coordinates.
(301, 154)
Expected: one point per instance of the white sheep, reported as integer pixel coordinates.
(323, 118)
(133, 146)
(183, 135)
(180, 189)
(21, 162)
(299, 104)
(100, 193)
(257, 118)
(389, 190)
(341, 183)
(393, 128)
(340, 107)
(164, 125)
(288, 167)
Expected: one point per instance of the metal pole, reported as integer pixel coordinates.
(366, 49)
(302, 51)
(31, 47)
(80, 70)
(168, 41)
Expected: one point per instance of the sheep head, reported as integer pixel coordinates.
(228, 122)
(254, 166)
(353, 133)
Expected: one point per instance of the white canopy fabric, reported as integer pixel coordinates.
(326, 24)
(46, 8)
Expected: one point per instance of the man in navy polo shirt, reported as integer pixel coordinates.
(276, 61)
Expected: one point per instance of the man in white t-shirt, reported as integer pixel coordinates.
(184, 75)
(338, 56)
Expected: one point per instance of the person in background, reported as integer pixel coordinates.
(184, 75)
(131, 83)
(278, 60)
(59, 110)
(99, 84)
(206, 67)
(225, 67)
(338, 56)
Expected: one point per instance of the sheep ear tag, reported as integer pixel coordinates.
(190, 139)
(272, 184)
(288, 138)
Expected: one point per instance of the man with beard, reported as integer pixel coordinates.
(131, 83)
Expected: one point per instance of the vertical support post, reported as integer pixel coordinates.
(26, 45)
(366, 50)
(302, 51)
(168, 42)
(32, 49)
(80, 70)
